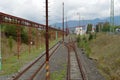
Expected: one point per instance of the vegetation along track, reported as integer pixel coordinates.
(74, 67)
(35, 67)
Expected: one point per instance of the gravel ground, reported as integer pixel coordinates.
(89, 67)
(60, 58)
(57, 63)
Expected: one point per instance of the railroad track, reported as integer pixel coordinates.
(74, 68)
(35, 67)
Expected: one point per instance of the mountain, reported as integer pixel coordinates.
(73, 23)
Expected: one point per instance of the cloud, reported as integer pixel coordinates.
(35, 9)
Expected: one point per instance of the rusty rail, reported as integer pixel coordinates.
(68, 69)
(32, 64)
(34, 74)
(71, 44)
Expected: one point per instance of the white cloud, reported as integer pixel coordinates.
(35, 9)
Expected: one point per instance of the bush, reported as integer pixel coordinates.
(78, 38)
(83, 43)
(90, 37)
(24, 38)
(11, 31)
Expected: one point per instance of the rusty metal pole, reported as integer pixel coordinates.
(0, 44)
(18, 42)
(66, 26)
(47, 45)
(63, 21)
(37, 44)
(29, 32)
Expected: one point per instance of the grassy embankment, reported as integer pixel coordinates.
(10, 63)
(105, 49)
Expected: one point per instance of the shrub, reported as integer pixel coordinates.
(24, 37)
(83, 43)
(90, 37)
(11, 31)
(78, 38)
(10, 43)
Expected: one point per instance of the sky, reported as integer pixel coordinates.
(34, 10)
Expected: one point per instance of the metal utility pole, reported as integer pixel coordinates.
(66, 26)
(37, 38)
(18, 41)
(112, 15)
(29, 33)
(47, 45)
(63, 21)
(0, 50)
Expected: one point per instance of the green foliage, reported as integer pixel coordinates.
(106, 27)
(97, 28)
(10, 42)
(90, 37)
(106, 50)
(95, 35)
(78, 38)
(11, 30)
(11, 64)
(24, 37)
(58, 75)
(83, 43)
(89, 28)
(84, 38)
(116, 27)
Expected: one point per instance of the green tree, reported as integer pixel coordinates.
(106, 27)
(97, 28)
(11, 30)
(89, 28)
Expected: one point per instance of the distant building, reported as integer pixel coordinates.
(80, 30)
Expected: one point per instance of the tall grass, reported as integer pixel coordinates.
(106, 50)
(83, 42)
(10, 63)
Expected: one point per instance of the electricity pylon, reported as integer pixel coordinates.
(112, 16)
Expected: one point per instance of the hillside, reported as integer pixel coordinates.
(73, 23)
(106, 51)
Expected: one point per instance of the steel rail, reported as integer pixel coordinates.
(23, 71)
(27, 68)
(68, 66)
(79, 62)
(71, 44)
(34, 74)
